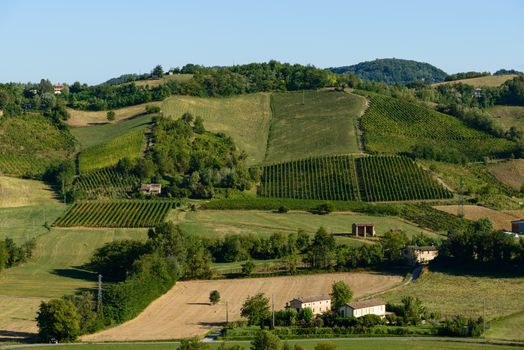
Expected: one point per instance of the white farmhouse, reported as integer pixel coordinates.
(361, 308)
(318, 304)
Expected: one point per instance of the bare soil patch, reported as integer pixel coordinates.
(184, 311)
(509, 172)
(501, 219)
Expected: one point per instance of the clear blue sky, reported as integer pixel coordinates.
(94, 40)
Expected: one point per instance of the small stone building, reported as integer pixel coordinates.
(318, 304)
(363, 230)
(419, 255)
(151, 189)
(362, 308)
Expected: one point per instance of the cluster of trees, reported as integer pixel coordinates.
(11, 254)
(466, 75)
(189, 160)
(479, 244)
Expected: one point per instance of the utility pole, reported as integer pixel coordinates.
(273, 311)
(99, 305)
(227, 314)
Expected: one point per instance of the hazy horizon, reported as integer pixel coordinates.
(94, 41)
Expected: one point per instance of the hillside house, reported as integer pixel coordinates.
(363, 230)
(362, 308)
(151, 189)
(318, 304)
(58, 89)
(517, 226)
(419, 255)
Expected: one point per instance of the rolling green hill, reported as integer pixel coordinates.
(245, 118)
(393, 126)
(313, 123)
(30, 143)
(394, 71)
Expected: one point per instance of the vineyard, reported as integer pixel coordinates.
(390, 178)
(108, 154)
(106, 183)
(325, 178)
(392, 126)
(342, 177)
(124, 213)
(25, 166)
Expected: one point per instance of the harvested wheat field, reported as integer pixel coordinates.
(80, 118)
(509, 172)
(185, 311)
(501, 219)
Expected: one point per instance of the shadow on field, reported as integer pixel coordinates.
(478, 271)
(12, 336)
(76, 273)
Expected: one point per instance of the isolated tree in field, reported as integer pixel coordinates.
(341, 294)
(157, 72)
(256, 309)
(187, 118)
(265, 340)
(198, 125)
(58, 319)
(214, 297)
(326, 346)
(110, 115)
(248, 267)
(392, 243)
(322, 249)
(4, 255)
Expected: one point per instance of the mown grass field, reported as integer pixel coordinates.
(501, 220)
(510, 327)
(89, 136)
(487, 81)
(393, 126)
(342, 344)
(80, 118)
(510, 172)
(313, 123)
(25, 207)
(216, 223)
(454, 294)
(508, 116)
(129, 145)
(51, 273)
(245, 118)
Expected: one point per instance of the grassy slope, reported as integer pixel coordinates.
(88, 118)
(487, 81)
(511, 327)
(164, 79)
(107, 154)
(463, 294)
(212, 223)
(510, 172)
(94, 135)
(354, 344)
(245, 118)
(324, 124)
(508, 116)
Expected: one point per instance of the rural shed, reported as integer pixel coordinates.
(363, 230)
(362, 308)
(151, 189)
(517, 226)
(317, 304)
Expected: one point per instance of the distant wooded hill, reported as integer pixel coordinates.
(394, 71)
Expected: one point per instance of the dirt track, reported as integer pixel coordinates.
(184, 311)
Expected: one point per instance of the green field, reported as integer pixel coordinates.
(129, 145)
(215, 223)
(89, 136)
(393, 126)
(486, 81)
(454, 294)
(375, 178)
(508, 116)
(510, 327)
(123, 213)
(245, 118)
(313, 123)
(342, 344)
(30, 143)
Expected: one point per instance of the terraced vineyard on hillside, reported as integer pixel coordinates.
(124, 213)
(106, 183)
(393, 126)
(26, 166)
(342, 177)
